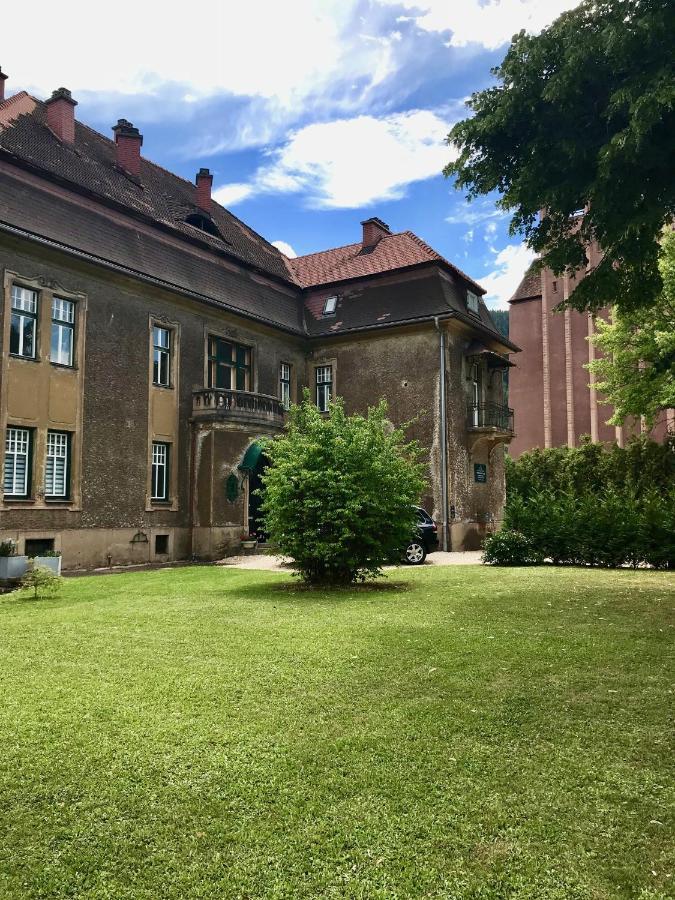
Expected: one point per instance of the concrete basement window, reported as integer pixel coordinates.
(161, 544)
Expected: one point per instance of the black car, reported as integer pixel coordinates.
(424, 541)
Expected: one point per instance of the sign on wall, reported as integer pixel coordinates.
(480, 472)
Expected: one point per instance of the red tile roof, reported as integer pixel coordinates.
(394, 251)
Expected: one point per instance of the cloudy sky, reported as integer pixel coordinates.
(312, 114)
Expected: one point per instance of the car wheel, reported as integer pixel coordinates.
(415, 553)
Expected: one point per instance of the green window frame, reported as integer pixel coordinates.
(229, 365)
(24, 322)
(58, 465)
(17, 475)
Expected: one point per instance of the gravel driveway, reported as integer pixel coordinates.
(280, 564)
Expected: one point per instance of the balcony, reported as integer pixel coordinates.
(490, 418)
(241, 407)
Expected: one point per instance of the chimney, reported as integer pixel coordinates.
(61, 115)
(128, 142)
(204, 180)
(3, 79)
(374, 230)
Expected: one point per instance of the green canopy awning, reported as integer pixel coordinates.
(251, 457)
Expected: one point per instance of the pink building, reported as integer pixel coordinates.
(551, 392)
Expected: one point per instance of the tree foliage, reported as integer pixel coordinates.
(636, 374)
(41, 581)
(583, 118)
(339, 492)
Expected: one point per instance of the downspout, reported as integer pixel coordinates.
(444, 449)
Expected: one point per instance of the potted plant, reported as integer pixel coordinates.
(11, 565)
(248, 540)
(50, 559)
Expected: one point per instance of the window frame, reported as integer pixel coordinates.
(162, 351)
(473, 303)
(166, 465)
(22, 315)
(333, 301)
(30, 439)
(323, 386)
(67, 467)
(215, 364)
(63, 325)
(285, 395)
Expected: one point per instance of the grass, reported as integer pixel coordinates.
(466, 733)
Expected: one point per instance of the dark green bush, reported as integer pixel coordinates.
(595, 505)
(510, 548)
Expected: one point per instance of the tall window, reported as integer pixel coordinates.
(161, 356)
(57, 465)
(476, 392)
(23, 329)
(160, 471)
(324, 386)
(229, 365)
(17, 462)
(472, 302)
(63, 329)
(285, 384)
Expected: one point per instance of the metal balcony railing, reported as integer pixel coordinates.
(490, 416)
(238, 405)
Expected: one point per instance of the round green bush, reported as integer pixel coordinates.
(510, 548)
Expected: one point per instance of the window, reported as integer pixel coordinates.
(23, 329)
(57, 465)
(63, 329)
(17, 462)
(161, 544)
(329, 306)
(285, 384)
(160, 471)
(555, 287)
(472, 302)
(324, 387)
(161, 356)
(229, 365)
(38, 546)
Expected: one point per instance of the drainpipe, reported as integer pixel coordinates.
(444, 449)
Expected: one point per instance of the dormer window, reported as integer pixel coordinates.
(203, 223)
(472, 302)
(329, 306)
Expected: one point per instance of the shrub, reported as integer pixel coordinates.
(509, 548)
(339, 492)
(41, 581)
(7, 548)
(596, 505)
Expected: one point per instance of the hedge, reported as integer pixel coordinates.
(596, 505)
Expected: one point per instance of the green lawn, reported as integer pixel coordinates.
(466, 732)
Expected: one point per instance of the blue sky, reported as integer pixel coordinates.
(311, 114)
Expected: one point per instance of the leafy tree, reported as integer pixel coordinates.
(583, 117)
(637, 372)
(339, 492)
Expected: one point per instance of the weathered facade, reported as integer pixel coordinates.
(552, 394)
(150, 339)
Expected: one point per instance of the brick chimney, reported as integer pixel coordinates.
(204, 180)
(374, 230)
(61, 115)
(3, 79)
(128, 142)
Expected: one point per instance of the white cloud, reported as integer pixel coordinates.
(489, 23)
(351, 163)
(231, 194)
(475, 213)
(510, 265)
(260, 48)
(285, 248)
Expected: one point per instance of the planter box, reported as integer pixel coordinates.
(248, 545)
(13, 567)
(49, 562)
